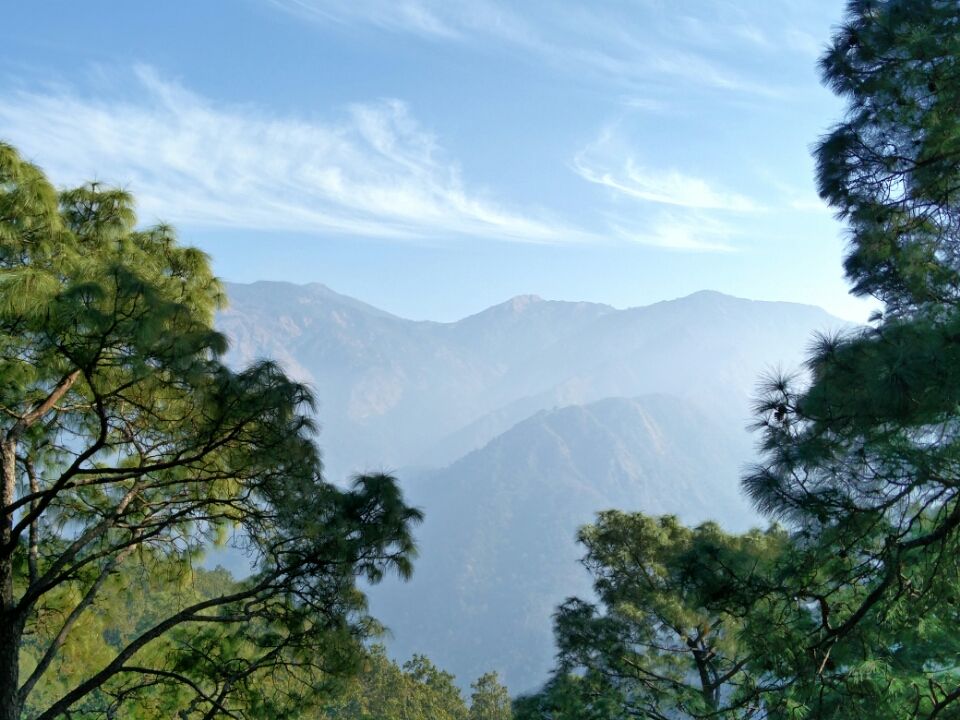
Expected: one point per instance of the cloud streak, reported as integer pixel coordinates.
(637, 48)
(669, 188)
(373, 172)
(681, 211)
(411, 16)
(695, 233)
(603, 162)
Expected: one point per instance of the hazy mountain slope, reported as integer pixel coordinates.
(517, 330)
(388, 387)
(395, 392)
(707, 347)
(498, 551)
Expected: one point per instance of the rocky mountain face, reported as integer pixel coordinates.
(512, 427)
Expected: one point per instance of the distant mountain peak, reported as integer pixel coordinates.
(277, 294)
(522, 302)
(708, 294)
(715, 297)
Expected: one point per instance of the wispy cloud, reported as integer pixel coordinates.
(374, 171)
(635, 48)
(400, 15)
(791, 196)
(805, 43)
(672, 209)
(669, 187)
(693, 232)
(441, 20)
(605, 162)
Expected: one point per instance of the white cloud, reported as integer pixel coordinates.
(668, 187)
(753, 35)
(693, 233)
(792, 196)
(600, 164)
(805, 43)
(444, 20)
(679, 211)
(633, 48)
(374, 172)
(645, 105)
(398, 15)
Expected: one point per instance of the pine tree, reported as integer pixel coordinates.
(863, 454)
(127, 443)
(890, 167)
(672, 633)
(855, 613)
(489, 699)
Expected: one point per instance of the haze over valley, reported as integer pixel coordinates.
(512, 427)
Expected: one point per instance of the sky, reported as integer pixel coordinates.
(435, 157)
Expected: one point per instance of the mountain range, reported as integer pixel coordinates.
(513, 427)
(396, 392)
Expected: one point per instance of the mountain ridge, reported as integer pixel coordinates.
(391, 389)
(531, 414)
(522, 299)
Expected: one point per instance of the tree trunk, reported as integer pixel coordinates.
(11, 624)
(707, 689)
(8, 493)
(11, 632)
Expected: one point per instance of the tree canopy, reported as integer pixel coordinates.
(489, 700)
(126, 442)
(851, 611)
(676, 602)
(861, 453)
(417, 690)
(889, 168)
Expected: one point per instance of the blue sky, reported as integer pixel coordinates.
(434, 157)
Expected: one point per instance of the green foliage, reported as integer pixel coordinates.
(127, 447)
(890, 167)
(864, 462)
(489, 699)
(416, 691)
(575, 697)
(134, 601)
(676, 606)
(862, 454)
(384, 691)
(854, 613)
